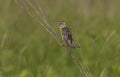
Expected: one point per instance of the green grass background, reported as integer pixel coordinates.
(28, 50)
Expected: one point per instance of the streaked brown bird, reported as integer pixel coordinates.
(67, 35)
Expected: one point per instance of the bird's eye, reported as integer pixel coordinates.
(59, 23)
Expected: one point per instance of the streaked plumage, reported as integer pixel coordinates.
(67, 34)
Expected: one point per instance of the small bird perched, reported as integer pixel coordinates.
(67, 35)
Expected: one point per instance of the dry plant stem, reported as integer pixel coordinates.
(82, 69)
(80, 66)
(39, 15)
(110, 35)
(102, 72)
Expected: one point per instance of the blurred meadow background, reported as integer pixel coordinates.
(28, 50)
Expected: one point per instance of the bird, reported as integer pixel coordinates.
(67, 35)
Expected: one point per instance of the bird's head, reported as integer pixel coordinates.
(61, 24)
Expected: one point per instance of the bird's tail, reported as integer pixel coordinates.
(73, 45)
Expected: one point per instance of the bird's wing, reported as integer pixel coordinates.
(69, 34)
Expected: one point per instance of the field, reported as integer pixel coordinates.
(28, 50)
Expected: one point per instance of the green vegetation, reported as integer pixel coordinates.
(28, 50)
